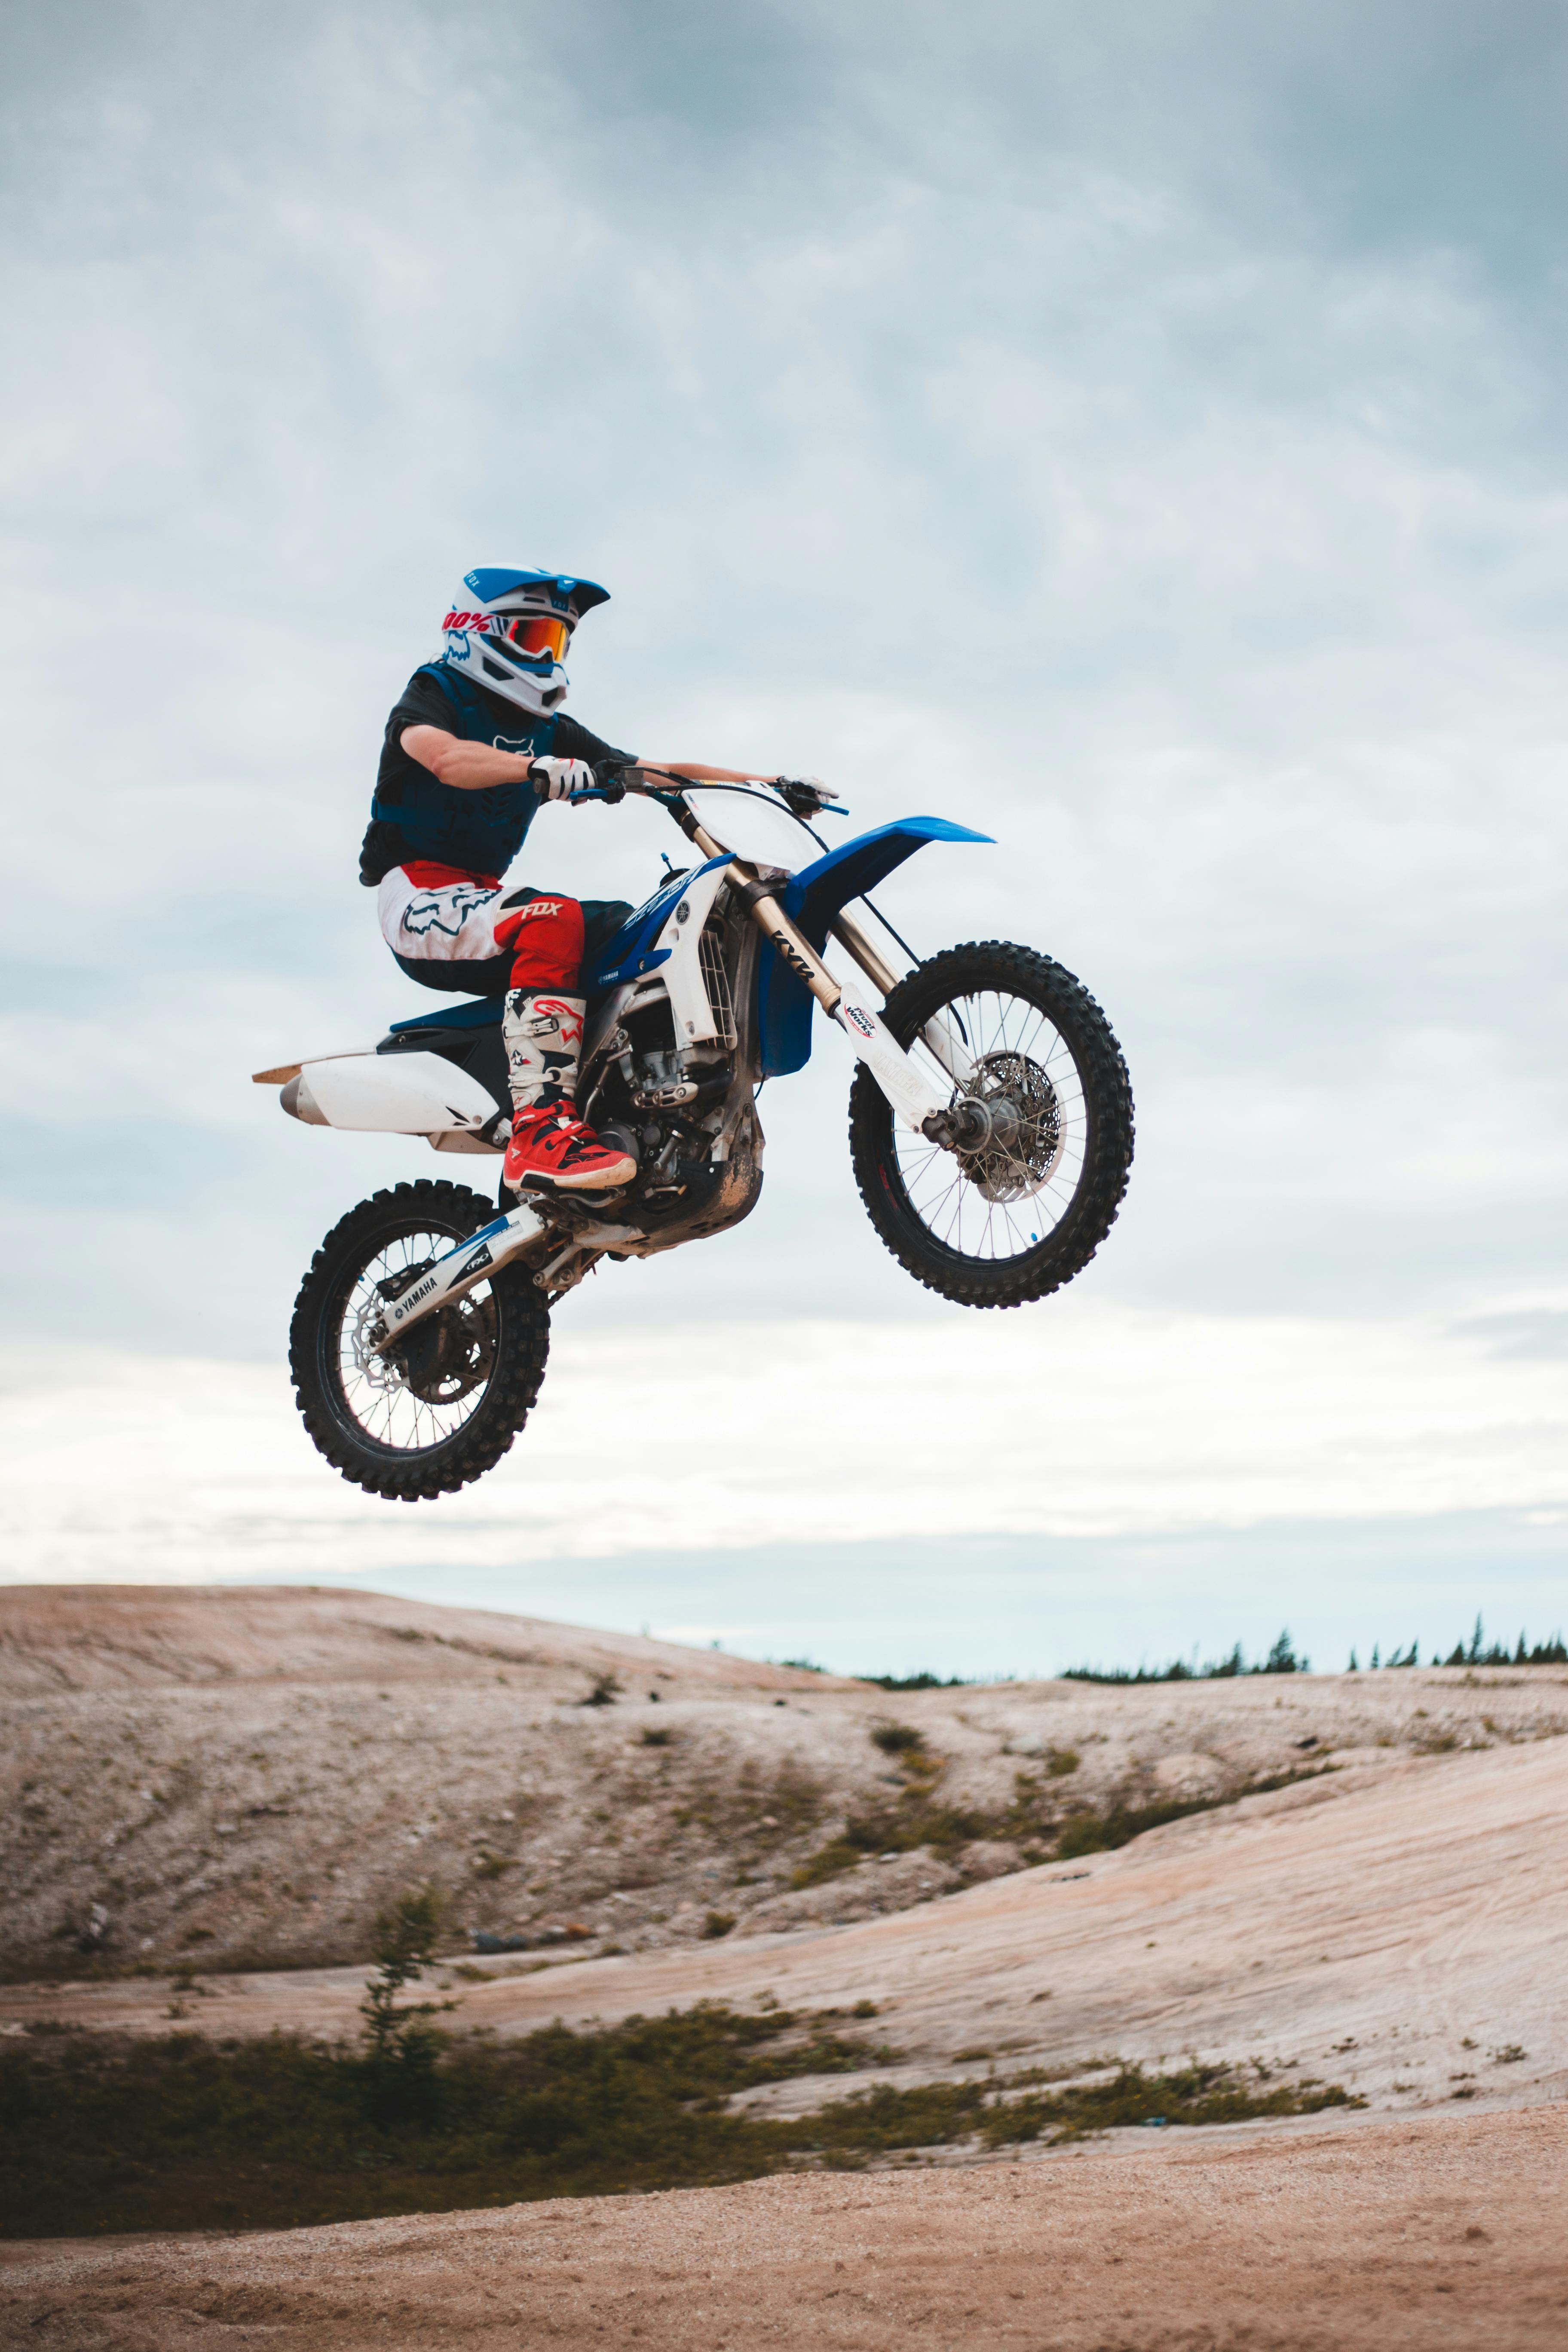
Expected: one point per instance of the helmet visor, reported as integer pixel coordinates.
(538, 637)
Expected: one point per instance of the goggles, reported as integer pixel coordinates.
(538, 637)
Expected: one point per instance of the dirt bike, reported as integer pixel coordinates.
(990, 1130)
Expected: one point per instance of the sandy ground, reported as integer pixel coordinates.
(1396, 1924)
(1398, 1928)
(245, 1777)
(1439, 2234)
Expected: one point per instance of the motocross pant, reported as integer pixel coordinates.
(460, 932)
(454, 930)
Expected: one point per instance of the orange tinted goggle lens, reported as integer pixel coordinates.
(535, 635)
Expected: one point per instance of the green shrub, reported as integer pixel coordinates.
(896, 1738)
(279, 2132)
(184, 2134)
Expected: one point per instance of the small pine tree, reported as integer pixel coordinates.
(401, 2048)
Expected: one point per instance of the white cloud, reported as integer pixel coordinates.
(1080, 1419)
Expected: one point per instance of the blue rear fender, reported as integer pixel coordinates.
(814, 896)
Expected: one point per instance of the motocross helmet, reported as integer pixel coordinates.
(509, 631)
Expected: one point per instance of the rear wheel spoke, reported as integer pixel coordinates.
(433, 1387)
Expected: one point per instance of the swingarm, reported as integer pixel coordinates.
(451, 1277)
(473, 1261)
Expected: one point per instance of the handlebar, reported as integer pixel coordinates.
(801, 799)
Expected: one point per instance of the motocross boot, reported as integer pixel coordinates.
(551, 1149)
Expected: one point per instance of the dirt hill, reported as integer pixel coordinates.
(244, 1778)
(1393, 1924)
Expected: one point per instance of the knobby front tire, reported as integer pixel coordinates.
(1001, 1231)
(463, 1380)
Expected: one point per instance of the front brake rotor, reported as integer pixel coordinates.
(1029, 1134)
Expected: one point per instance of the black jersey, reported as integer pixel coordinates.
(413, 816)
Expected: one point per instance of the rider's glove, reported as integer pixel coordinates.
(554, 779)
(801, 794)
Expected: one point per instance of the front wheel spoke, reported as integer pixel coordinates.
(1010, 1198)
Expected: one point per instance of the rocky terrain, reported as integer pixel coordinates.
(241, 1778)
(249, 1775)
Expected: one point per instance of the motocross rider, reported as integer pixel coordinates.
(474, 742)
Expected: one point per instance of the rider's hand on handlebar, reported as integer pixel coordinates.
(554, 779)
(803, 793)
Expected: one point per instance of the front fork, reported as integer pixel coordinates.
(927, 1108)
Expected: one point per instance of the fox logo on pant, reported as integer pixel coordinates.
(444, 910)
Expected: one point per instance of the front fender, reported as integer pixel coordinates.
(814, 896)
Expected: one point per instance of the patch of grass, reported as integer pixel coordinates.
(915, 1819)
(655, 1735)
(829, 1861)
(1088, 1833)
(896, 1738)
(883, 2120)
(279, 2132)
(718, 1923)
(1193, 2095)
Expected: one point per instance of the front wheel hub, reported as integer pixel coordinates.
(1006, 1129)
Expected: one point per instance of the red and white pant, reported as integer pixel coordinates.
(458, 931)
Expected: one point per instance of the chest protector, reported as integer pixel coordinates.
(414, 815)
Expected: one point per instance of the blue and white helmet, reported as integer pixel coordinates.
(509, 630)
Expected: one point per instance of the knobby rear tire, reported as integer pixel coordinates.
(411, 1475)
(994, 965)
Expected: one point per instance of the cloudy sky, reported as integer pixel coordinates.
(1138, 432)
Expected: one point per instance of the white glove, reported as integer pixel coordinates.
(800, 792)
(553, 779)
